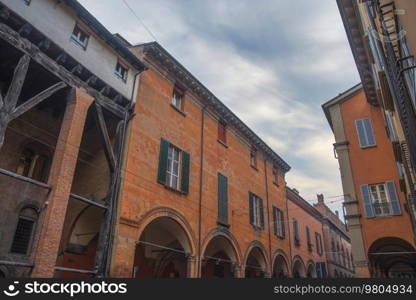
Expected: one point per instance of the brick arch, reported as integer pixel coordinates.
(5, 271)
(256, 244)
(298, 259)
(312, 264)
(219, 231)
(163, 211)
(281, 253)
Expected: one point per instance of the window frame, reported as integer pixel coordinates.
(124, 67)
(279, 230)
(296, 236)
(253, 158)
(275, 175)
(222, 132)
(308, 238)
(29, 241)
(178, 91)
(366, 143)
(374, 201)
(169, 172)
(318, 240)
(76, 39)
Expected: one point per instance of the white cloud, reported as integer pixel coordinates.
(272, 63)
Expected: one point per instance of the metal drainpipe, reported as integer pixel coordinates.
(114, 210)
(268, 217)
(199, 265)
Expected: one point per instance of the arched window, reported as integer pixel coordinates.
(24, 231)
(34, 162)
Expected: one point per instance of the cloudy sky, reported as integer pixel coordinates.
(272, 62)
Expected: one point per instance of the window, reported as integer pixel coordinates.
(253, 158)
(308, 238)
(334, 251)
(27, 2)
(365, 133)
(222, 199)
(318, 240)
(24, 231)
(256, 211)
(296, 232)
(275, 176)
(391, 129)
(380, 200)
(173, 169)
(278, 221)
(177, 98)
(121, 71)
(321, 270)
(80, 37)
(33, 165)
(222, 132)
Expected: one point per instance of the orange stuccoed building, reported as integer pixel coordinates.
(377, 211)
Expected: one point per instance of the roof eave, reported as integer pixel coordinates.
(352, 25)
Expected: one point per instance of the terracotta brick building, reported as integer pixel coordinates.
(116, 161)
(377, 213)
(336, 240)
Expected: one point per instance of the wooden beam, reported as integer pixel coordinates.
(25, 179)
(35, 100)
(88, 201)
(31, 50)
(17, 83)
(102, 128)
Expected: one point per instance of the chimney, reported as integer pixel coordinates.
(320, 198)
(337, 213)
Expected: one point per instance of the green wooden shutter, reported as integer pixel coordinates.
(261, 213)
(282, 220)
(368, 206)
(275, 220)
(394, 200)
(185, 172)
(222, 199)
(251, 207)
(163, 161)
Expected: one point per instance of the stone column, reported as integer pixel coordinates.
(191, 266)
(60, 178)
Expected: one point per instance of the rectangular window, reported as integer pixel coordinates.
(177, 98)
(278, 221)
(365, 133)
(222, 199)
(318, 239)
(275, 176)
(256, 211)
(253, 158)
(222, 132)
(22, 236)
(296, 232)
(380, 200)
(173, 168)
(121, 71)
(308, 238)
(27, 2)
(80, 37)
